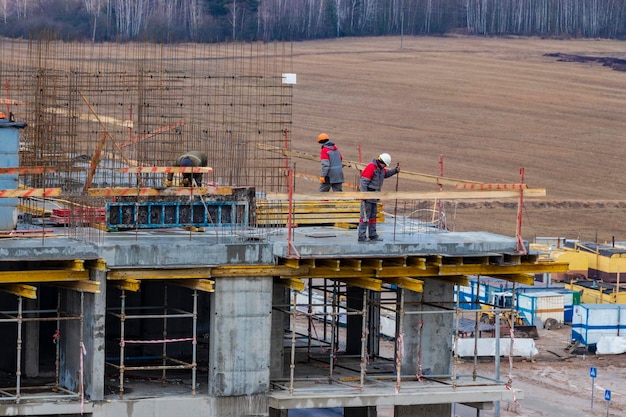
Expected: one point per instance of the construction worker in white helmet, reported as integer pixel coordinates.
(331, 175)
(372, 178)
(189, 159)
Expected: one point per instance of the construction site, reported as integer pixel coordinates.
(237, 295)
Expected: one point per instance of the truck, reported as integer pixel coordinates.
(509, 316)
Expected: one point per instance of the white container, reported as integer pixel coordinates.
(539, 307)
(592, 321)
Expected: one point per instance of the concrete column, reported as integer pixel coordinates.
(437, 329)
(31, 342)
(436, 340)
(433, 410)
(355, 322)
(239, 346)
(93, 339)
(359, 412)
(280, 298)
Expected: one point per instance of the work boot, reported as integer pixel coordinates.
(376, 238)
(362, 239)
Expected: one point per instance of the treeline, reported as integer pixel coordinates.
(220, 20)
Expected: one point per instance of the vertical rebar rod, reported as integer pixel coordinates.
(57, 344)
(292, 361)
(477, 315)
(194, 343)
(81, 347)
(164, 355)
(309, 322)
(18, 370)
(399, 345)
(122, 320)
(333, 331)
(364, 338)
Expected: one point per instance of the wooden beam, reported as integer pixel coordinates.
(27, 170)
(165, 170)
(31, 192)
(432, 179)
(409, 195)
(160, 192)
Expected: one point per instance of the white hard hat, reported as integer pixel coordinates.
(385, 158)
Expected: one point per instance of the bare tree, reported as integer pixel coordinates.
(93, 7)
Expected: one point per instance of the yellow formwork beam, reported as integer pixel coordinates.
(257, 271)
(492, 270)
(226, 271)
(158, 274)
(127, 284)
(292, 283)
(61, 275)
(21, 290)
(205, 285)
(363, 282)
(407, 283)
(92, 287)
(526, 279)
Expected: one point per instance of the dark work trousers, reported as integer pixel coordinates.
(367, 222)
(325, 187)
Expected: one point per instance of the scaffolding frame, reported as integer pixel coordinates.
(337, 310)
(166, 362)
(21, 316)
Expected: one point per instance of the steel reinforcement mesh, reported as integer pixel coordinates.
(110, 106)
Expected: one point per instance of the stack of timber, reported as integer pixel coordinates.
(311, 213)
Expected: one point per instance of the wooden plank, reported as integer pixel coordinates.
(410, 195)
(165, 170)
(27, 170)
(416, 176)
(31, 192)
(170, 191)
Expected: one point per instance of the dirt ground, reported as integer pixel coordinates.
(488, 107)
(556, 383)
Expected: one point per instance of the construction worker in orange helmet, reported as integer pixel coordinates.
(372, 178)
(331, 175)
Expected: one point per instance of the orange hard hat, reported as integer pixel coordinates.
(322, 136)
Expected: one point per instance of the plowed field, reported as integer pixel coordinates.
(489, 107)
